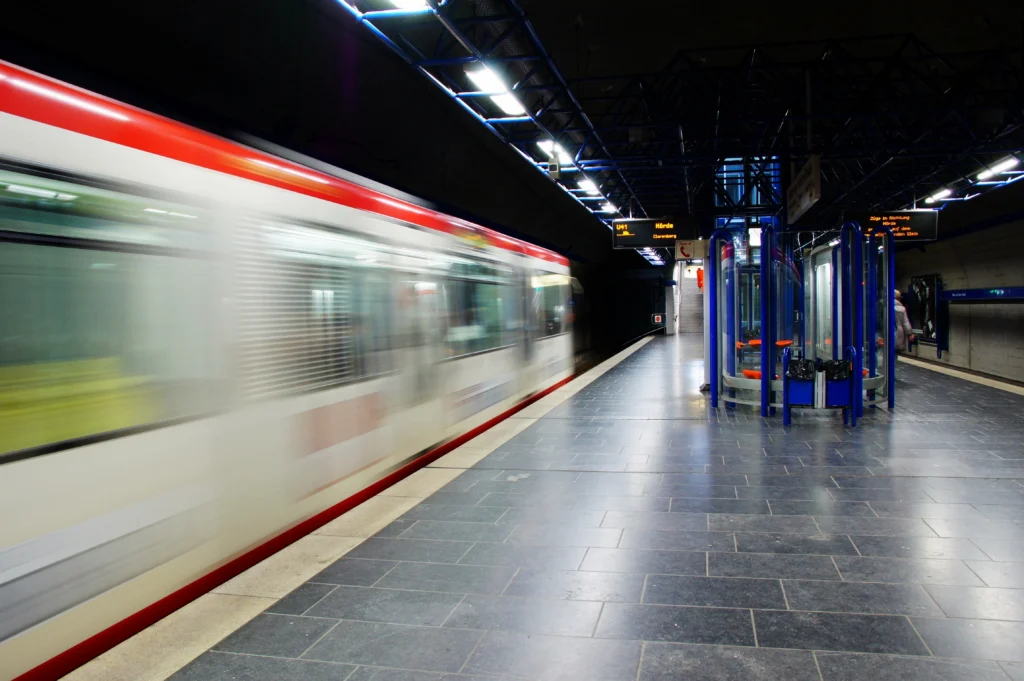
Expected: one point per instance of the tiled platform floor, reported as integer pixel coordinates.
(632, 534)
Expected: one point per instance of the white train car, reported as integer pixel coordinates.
(207, 350)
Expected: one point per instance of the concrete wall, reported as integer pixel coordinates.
(986, 338)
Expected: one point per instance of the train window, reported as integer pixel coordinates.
(314, 309)
(550, 303)
(106, 318)
(477, 295)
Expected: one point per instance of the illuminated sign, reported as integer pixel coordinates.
(645, 233)
(906, 225)
(656, 319)
(984, 295)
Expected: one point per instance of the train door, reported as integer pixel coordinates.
(418, 354)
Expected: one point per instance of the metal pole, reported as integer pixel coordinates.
(712, 274)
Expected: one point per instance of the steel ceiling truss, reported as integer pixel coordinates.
(893, 120)
(446, 38)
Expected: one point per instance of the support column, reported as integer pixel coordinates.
(670, 304)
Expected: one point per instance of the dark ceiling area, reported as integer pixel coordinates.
(670, 109)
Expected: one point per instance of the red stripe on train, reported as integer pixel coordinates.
(38, 98)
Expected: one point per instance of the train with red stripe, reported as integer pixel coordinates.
(205, 347)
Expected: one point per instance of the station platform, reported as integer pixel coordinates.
(619, 530)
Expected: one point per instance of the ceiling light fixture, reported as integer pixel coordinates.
(998, 168)
(488, 81)
(550, 148)
(589, 187)
(939, 195)
(410, 4)
(609, 208)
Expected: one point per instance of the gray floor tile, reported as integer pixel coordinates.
(552, 500)
(673, 662)
(462, 579)
(386, 605)
(849, 667)
(217, 666)
(680, 522)
(533, 615)
(824, 507)
(577, 586)
(852, 633)
(860, 597)
(667, 540)
(411, 549)
(999, 574)
(555, 658)
(977, 639)
(676, 624)
(730, 506)
(457, 531)
(522, 555)
(553, 535)
(918, 547)
(526, 515)
(692, 492)
(828, 545)
(1015, 670)
(763, 523)
(622, 503)
(396, 645)
(983, 603)
(912, 570)
(1000, 549)
(778, 566)
(301, 599)
(724, 592)
(886, 527)
(638, 561)
(276, 635)
(354, 572)
(385, 674)
(903, 510)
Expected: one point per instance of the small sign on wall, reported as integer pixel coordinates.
(657, 319)
(691, 249)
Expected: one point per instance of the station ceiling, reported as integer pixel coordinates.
(648, 101)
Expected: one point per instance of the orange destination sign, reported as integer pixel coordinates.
(645, 233)
(906, 225)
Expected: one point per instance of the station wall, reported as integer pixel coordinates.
(989, 252)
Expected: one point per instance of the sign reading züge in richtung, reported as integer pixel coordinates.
(645, 233)
(906, 225)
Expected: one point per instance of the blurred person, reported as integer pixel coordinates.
(904, 332)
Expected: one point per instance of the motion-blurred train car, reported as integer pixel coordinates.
(203, 345)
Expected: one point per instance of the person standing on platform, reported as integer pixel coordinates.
(904, 332)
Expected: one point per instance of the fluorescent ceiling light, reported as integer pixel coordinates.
(833, 243)
(754, 236)
(550, 148)
(41, 193)
(410, 4)
(589, 187)
(487, 80)
(941, 194)
(1000, 167)
(609, 208)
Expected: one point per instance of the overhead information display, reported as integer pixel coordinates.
(645, 233)
(906, 225)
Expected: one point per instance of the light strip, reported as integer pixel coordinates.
(998, 168)
(290, 171)
(939, 195)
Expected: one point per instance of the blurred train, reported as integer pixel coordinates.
(203, 345)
